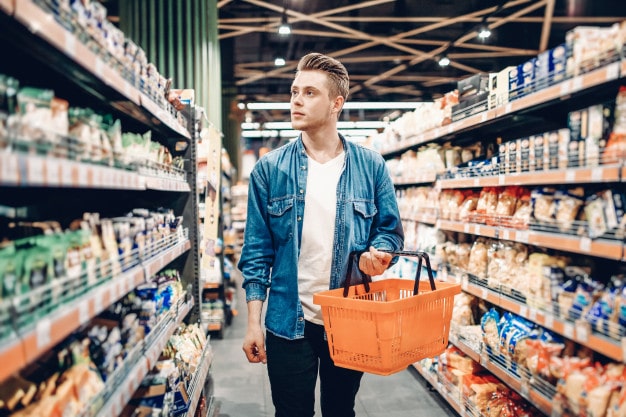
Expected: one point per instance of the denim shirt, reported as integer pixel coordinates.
(367, 215)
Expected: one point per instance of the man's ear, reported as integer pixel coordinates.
(338, 104)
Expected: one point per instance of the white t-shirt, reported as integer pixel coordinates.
(318, 230)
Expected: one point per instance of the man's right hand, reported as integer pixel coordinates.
(254, 345)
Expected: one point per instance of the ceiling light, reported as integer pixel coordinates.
(444, 61)
(484, 32)
(279, 62)
(285, 28)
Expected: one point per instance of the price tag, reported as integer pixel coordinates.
(466, 228)
(577, 84)
(83, 312)
(437, 132)
(9, 168)
(624, 349)
(568, 330)
(83, 177)
(450, 129)
(525, 390)
(505, 235)
(484, 293)
(97, 302)
(464, 282)
(570, 175)
(532, 314)
(565, 88)
(476, 182)
(70, 45)
(585, 244)
(612, 71)
(99, 68)
(508, 108)
(477, 229)
(597, 174)
(42, 331)
(443, 274)
(66, 174)
(52, 172)
(523, 311)
(483, 117)
(113, 292)
(484, 360)
(549, 321)
(583, 330)
(35, 171)
(501, 179)
(522, 236)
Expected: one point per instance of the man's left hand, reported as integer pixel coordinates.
(374, 262)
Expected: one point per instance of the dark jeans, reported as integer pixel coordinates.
(293, 366)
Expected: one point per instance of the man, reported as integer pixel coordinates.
(310, 204)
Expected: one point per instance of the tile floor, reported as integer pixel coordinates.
(241, 389)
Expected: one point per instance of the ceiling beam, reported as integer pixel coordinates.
(547, 25)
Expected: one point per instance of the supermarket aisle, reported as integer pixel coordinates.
(242, 389)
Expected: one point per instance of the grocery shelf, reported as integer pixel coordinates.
(579, 331)
(544, 96)
(159, 261)
(520, 383)
(7, 6)
(95, 70)
(603, 248)
(17, 169)
(432, 380)
(152, 347)
(52, 328)
(166, 184)
(583, 175)
(436, 133)
(162, 115)
(40, 23)
(607, 249)
(417, 178)
(197, 384)
(33, 170)
(564, 89)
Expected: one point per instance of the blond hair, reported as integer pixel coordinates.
(336, 71)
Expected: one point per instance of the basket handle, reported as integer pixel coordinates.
(421, 256)
(354, 259)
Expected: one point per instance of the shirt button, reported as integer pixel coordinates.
(300, 318)
(303, 167)
(299, 218)
(301, 191)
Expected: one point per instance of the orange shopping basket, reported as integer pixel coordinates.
(381, 327)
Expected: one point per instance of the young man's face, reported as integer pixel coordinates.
(311, 106)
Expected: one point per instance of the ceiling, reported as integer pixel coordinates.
(391, 47)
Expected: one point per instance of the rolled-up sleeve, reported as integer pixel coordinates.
(257, 253)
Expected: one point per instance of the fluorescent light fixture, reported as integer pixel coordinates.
(484, 32)
(279, 62)
(277, 125)
(444, 61)
(350, 133)
(351, 105)
(259, 133)
(248, 126)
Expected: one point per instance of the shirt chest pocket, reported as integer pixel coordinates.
(281, 219)
(364, 213)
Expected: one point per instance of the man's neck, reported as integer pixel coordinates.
(322, 147)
